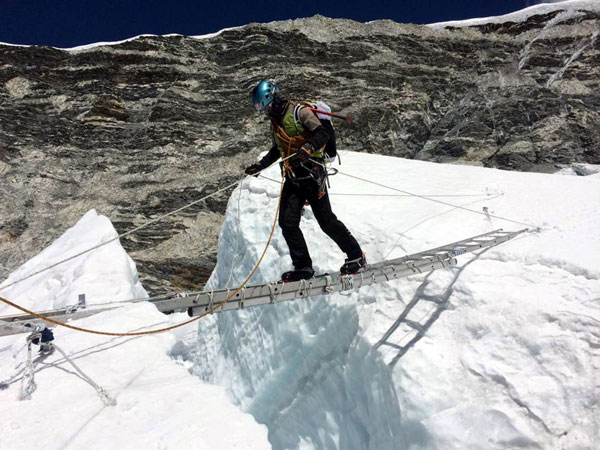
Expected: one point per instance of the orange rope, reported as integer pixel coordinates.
(160, 330)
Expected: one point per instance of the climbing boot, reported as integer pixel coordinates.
(352, 266)
(298, 274)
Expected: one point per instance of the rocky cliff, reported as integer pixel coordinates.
(142, 127)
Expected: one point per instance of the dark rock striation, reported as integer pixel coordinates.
(143, 127)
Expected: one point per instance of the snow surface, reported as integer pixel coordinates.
(159, 404)
(110, 43)
(517, 16)
(581, 169)
(512, 347)
(508, 360)
(101, 44)
(524, 14)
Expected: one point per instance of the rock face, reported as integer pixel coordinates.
(141, 128)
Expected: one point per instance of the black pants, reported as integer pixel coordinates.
(294, 195)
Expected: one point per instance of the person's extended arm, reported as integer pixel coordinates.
(266, 161)
(271, 156)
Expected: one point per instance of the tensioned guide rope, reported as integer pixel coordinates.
(439, 201)
(431, 198)
(118, 303)
(346, 194)
(160, 330)
(122, 235)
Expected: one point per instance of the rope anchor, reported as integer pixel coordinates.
(44, 339)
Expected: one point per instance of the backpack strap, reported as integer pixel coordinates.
(297, 109)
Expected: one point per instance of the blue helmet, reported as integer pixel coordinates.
(262, 94)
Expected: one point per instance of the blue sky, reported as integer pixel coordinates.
(67, 23)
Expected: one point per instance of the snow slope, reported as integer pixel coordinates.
(524, 14)
(508, 359)
(159, 404)
(511, 351)
(102, 44)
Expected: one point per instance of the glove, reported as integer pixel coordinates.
(253, 169)
(303, 153)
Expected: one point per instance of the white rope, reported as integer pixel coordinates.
(425, 197)
(102, 393)
(431, 198)
(487, 194)
(442, 202)
(20, 327)
(272, 288)
(140, 299)
(328, 286)
(117, 237)
(150, 222)
(403, 232)
(28, 385)
(347, 282)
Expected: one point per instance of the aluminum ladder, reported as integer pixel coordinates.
(199, 302)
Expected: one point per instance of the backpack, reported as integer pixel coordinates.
(318, 107)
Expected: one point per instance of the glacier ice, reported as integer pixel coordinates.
(509, 356)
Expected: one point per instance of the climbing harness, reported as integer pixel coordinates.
(317, 173)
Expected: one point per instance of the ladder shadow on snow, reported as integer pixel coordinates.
(441, 302)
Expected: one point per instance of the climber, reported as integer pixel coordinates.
(297, 131)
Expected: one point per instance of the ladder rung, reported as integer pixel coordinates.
(414, 325)
(396, 346)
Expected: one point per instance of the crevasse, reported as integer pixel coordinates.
(301, 368)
